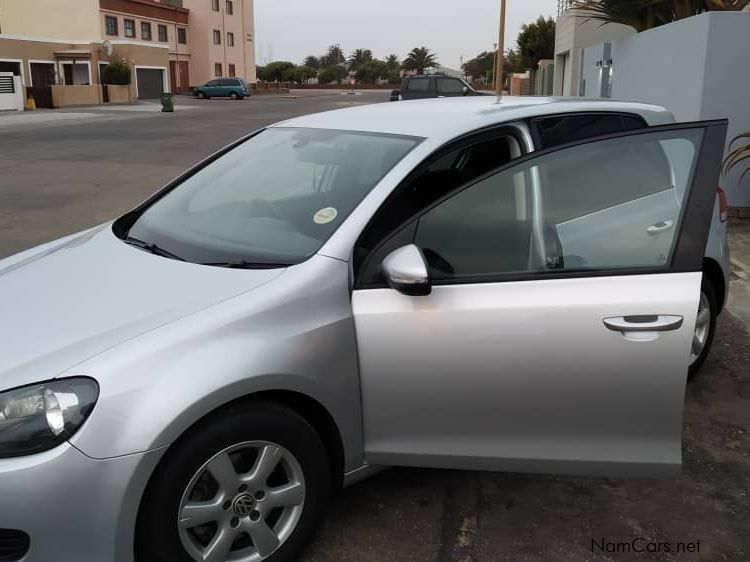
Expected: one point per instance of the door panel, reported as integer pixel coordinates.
(525, 375)
(509, 363)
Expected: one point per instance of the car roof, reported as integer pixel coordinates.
(445, 118)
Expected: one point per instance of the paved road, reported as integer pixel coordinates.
(58, 177)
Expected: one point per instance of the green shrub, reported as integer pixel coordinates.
(116, 73)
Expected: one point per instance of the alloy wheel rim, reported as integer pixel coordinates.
(242, 504)
(702, 327)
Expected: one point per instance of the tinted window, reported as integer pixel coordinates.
(554, 131)
(450, 87)
(417, 85)
(275, 198)
(571, 210)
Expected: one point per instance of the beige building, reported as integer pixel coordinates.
(170, 45)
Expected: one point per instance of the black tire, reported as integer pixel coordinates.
(709, 292)
(200, 96)
(157, 537)
(233, 96)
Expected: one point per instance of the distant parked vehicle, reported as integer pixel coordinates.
(234, 88)
(433, 86)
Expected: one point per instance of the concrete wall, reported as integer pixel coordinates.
(67, 96)
(698, 68)
(73, 20)
(120, 94)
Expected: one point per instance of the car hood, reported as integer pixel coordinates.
(66, 302)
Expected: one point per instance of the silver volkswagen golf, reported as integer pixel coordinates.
(460, 283)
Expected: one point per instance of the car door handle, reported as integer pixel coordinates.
(648, 323)
(660, 227)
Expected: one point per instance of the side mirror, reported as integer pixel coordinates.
(466, 90)
(406, 271)
(395, 95)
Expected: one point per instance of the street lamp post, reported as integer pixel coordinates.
(500, 52)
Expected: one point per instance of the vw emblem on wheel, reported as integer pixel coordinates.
(243, 505)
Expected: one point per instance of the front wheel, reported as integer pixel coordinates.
(234, 96)
(200, 95)
(248, 486)
(705, 326)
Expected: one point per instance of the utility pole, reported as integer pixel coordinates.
(500, 53)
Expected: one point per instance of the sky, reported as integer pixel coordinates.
(292, 29)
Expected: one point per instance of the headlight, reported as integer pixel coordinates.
(41, 416)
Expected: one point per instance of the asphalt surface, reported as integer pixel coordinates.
(62, 174)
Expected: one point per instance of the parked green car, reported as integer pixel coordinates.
(235, 88)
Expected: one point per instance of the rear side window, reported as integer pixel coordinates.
(417, 85)
(561, 129)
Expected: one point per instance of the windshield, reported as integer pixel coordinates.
(275, 199)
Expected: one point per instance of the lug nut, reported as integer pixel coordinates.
(255, 515)
(227, 505)
(259, 495)
(243, 488)
(235, 521)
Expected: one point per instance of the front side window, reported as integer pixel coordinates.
(217, 37)
(605, 206)
(181, 35)
(110, 23)
(450, 87)
(163, 34)
(275, 199)
(129, 26)
(145, 31)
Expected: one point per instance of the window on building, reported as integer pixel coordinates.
(232, 71)
(181, 35)
(110, 24)
(217, 37)
(129, 27)
(230, 7)
(163, 37)
(230, 39)
(215, 5)
(217, 69)
(145, 31)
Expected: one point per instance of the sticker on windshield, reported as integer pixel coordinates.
(324, 216)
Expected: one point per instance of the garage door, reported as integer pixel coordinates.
(150, 83)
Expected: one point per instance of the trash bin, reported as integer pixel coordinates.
(167, 102)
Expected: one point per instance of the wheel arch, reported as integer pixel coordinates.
(713, 272)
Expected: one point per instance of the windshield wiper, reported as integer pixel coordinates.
(153, 248)
(245, 264)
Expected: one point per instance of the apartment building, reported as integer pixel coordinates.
(223, 39)
(170, 45)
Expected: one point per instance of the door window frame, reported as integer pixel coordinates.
(398, 233)
(537, 137)
(688, 252)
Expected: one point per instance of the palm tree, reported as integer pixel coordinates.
(312, 62)
(392, 62)
(420, 59)
(334, 55)
(739, 154)
(359, 57)
(646, 14)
